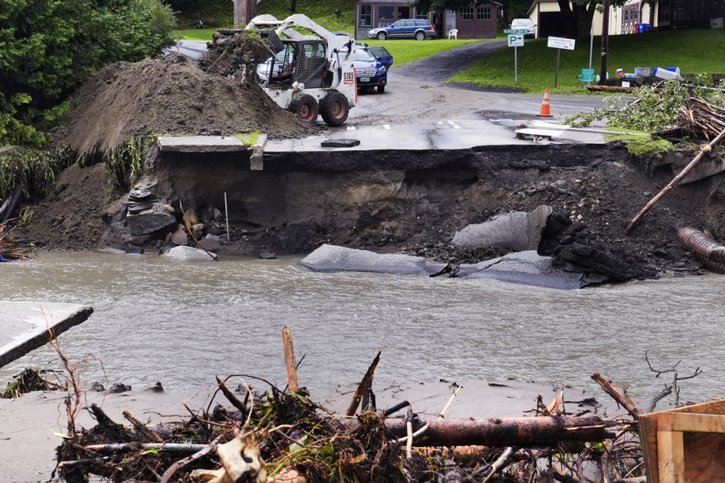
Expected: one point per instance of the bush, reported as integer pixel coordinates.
(50, 47)
(32, 170)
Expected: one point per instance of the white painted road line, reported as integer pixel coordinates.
(350, 128)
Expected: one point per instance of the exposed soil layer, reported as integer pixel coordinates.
(170, 96)
(594, 191)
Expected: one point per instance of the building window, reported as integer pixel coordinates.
(466, 13)
(387, 13)
(366, 15)
(483, 13)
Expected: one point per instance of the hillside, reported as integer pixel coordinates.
(218, 13)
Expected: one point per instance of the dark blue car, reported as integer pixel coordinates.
(407, 28)
(371, 66)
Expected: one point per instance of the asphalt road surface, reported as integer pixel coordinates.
(420, 91)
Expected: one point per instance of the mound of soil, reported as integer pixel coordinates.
(169, 96)
(74, 216)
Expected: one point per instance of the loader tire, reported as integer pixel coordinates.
(334, 109)
(305, 107)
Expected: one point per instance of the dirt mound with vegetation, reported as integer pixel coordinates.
(169, 96)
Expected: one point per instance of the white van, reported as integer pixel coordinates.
(524, 23)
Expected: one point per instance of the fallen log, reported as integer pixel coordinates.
(538, 431)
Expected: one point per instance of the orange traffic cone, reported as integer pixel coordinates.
(545, 106)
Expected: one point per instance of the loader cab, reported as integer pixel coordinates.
(303, 61)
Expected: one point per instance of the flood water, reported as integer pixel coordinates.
(183, 323)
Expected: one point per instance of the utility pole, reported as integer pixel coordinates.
(605, 42)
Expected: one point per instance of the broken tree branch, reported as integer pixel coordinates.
(169, 473)
(141, 428)
(231, 397)
(501, 462)
(366, 383)
(618, 396)
(289, 359)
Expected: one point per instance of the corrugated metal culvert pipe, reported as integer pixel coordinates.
(707, 251)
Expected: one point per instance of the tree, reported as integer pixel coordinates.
(577, 15)
(49, 47)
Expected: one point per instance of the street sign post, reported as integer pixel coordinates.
(516, 41)
(559, 43)
(516, 31)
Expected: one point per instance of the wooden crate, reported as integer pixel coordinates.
(685, 444)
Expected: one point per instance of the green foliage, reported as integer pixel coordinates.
(124, 163)
(13, 130)
(25, 216)
(248, 138)
(33, 170)
(694, 51)
(49, 47)
(324, 12)
(654, 107)
(643, 145)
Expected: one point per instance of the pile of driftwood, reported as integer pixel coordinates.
(282, 435)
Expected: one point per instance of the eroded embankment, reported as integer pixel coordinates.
(415, 201)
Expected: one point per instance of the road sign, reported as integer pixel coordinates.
(560, 43)
(516, 31)
(516, 40)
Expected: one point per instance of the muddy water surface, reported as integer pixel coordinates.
(182, 323)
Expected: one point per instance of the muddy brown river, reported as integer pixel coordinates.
(183, 323)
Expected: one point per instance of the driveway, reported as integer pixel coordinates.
(420, 91)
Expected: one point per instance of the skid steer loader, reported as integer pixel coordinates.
(309, 74)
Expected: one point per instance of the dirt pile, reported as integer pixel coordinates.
(169, 96)
(75, 215)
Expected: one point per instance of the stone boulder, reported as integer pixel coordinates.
(331, 258)
(151, 220)
(516, 230)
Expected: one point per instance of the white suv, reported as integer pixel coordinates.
(524, 23)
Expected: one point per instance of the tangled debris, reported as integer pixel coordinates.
(7, 246)
(235, 55)
(26, 381)
(282, 435)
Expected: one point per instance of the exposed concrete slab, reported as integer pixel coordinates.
(24, 325)
(516, 230)
(201, 144)
(330, 258)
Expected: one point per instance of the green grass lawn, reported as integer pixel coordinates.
(693, 51)
(405, 51)
(194, 34)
